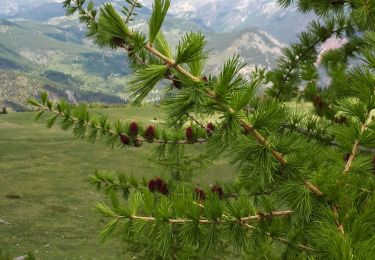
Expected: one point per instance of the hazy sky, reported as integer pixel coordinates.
(13, 6)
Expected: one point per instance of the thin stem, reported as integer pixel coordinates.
(131, 11)
(313, 188)
(83, 10)
(203, 221)
(198, 123)
(340, 227)
(356, 146)
(349, 164)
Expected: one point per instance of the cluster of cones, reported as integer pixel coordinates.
(159, 185)
(150, 134)
(216, 189)
(131, 139)
(191, 137)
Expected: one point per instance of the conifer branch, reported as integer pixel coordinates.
(325, 138)
(301, 56)
(172, 63)
(137, 139)
(348, 165)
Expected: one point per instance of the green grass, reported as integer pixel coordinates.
(49, 169)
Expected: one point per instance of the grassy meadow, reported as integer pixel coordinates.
(46, 201)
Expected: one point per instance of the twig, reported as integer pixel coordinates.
(340, 227)
(243, 220)
(131, 12)
(356, 146)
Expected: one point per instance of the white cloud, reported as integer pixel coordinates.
(330, 44)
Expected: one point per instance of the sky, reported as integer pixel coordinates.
(9, 7)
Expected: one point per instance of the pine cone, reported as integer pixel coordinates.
(152, 185)
(318, 102)
(158, 185)
(150, 134)
(125, 140)
(189, 134)
(210, 128)
(201, 195)
(133, 129)
(218, 190)
(164, 189)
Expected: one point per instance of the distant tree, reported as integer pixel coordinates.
(4, 111)
(303, 181)
(298, 71)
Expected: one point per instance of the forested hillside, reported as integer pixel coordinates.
(36, 56)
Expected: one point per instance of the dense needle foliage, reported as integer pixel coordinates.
(303, 181)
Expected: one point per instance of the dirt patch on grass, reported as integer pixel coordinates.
(13, 196)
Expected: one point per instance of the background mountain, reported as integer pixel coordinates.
(215, 15)
(229, 15)
(40, 44)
